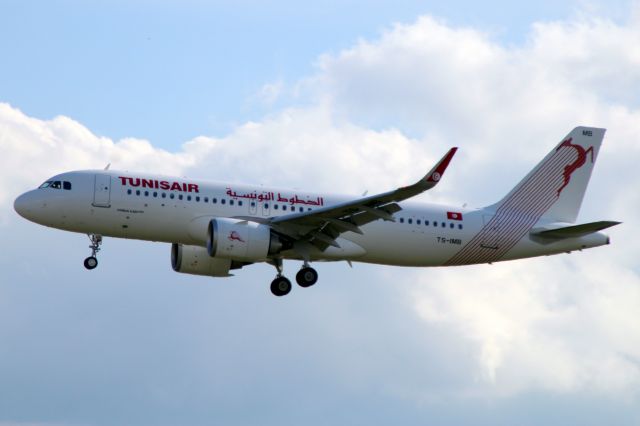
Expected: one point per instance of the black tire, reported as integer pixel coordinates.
(91, 262)
(281, 286)
(306, 277)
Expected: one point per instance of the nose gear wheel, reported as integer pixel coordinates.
(91, 262)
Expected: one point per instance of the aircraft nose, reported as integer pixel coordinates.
(24, 205)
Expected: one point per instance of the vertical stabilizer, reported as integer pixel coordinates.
(554, 189)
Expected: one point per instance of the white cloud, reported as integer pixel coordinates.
(565, 324)
(553, 324)
(35, 149)
(277, 150)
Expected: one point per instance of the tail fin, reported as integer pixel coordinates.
(555, 188)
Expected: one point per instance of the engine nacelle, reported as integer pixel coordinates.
(241, 240)
(196, 260)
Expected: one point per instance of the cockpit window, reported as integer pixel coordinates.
(56, 184)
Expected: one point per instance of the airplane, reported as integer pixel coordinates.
(216, 228)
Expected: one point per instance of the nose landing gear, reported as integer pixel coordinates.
(91, 262)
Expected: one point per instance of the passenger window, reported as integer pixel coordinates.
(451, 225)
(410, 221)
(206, 199)
(129, 191)
(146, 193)
(266, 206)
(137, 192)
(426, 223)
(460, 226)
(188, 197)
(214, 200)
(172, 196)
(418, 222)
(230, 202)
(275, 207)
(66, 185)
(444, 225)
(301, 209)
(293, 208)
(197, 199)
(222, 201)
(402, 220)
(240, 202)
(180, 197)
(253, 204)
(164, 195)
(155, 194)
(435, 223)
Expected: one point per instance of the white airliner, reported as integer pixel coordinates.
(218, 227)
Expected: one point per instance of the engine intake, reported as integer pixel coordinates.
(241, 240)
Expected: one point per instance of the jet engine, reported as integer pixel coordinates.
(241, 240)
(195, 260)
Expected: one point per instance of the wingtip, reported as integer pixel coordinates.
(436, 173)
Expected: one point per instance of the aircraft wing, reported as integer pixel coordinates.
(322, 226)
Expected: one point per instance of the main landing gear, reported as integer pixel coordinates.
(281, 286)
(92, 261)
(307, 276)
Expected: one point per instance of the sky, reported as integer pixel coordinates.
(359, 96)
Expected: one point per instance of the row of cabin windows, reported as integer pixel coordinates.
(282, 207)
(214, 200)
(197, 198)
(56, 184)
(434, 223)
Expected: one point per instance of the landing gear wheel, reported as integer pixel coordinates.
(281, 286)
(306, 277)
(90, 262)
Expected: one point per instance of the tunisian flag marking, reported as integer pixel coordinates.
(454, 215)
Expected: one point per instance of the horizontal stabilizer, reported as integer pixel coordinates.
(573, 231)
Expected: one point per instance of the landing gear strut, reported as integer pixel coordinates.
(92, 261)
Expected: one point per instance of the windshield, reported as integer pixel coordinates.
(56, 184)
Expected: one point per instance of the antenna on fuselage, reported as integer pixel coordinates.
(107, 166)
